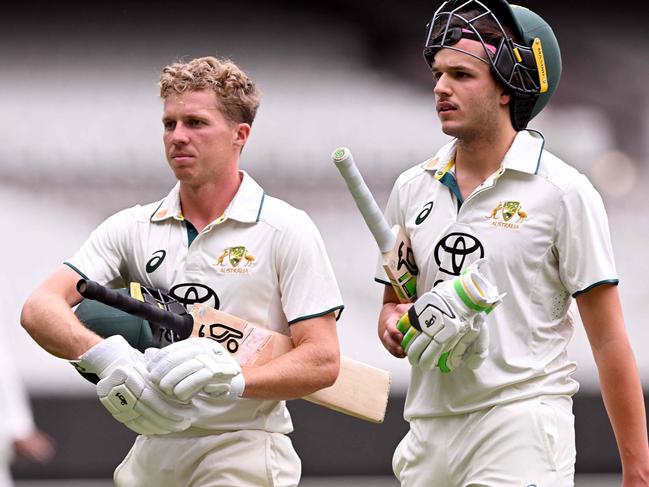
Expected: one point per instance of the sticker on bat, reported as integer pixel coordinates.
(222, 334)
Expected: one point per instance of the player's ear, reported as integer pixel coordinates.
(241, 133)
(505, 98)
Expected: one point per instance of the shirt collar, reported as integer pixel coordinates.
(245, 206)
(524, 155)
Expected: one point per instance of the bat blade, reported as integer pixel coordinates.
(398, 259)
(360, 390)
(400, 267)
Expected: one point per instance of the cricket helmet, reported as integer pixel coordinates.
(527, 62)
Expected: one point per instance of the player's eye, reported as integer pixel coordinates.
(194, 122)
(168, 124)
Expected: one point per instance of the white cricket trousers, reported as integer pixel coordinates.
(528, 443)
(229, 459)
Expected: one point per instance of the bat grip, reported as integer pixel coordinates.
(181, 324)
(365, 202)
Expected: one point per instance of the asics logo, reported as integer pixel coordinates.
(155, 261)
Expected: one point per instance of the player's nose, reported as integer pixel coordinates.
(441, 85)
(179, 135)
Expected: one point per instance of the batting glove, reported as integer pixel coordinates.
(195, 365)
(471, 349)
(445, 326)
(133, 401)
(108, 354)
(125, 392)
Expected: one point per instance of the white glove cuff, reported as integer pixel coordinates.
(99, 358)
(475, 290)
(237, 386)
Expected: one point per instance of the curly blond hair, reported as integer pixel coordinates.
(237, 95)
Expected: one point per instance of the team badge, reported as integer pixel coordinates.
(509, 209)
(508, 214)
(235, 260)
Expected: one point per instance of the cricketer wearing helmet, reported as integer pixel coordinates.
(494, 192)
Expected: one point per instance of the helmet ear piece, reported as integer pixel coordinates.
(541, 56)
(520, 109)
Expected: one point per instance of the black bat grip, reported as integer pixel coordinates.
(181, 324)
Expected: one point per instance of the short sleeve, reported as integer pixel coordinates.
(583, 241)
(102, 257)
(307, 283)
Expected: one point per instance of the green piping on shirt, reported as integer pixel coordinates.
(261, 205)
(76, 270)
(156, 211)
(615, 282)
(538, 162)
(302, 318)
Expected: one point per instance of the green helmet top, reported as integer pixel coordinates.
(527, 61)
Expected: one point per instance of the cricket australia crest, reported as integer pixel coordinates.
(235, 260)
(508, 214)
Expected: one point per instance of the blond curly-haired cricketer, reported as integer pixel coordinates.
(202, 419)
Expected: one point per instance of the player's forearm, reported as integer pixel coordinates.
(623, 397)
(305, 369)
(50, 321)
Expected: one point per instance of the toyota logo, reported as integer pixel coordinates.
(453, 250)
(192, 293)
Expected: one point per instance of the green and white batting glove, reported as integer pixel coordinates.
(127, 394)
(445, 327)
(195, 365)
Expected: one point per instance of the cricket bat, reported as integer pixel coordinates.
(361, 390)
(397, 256)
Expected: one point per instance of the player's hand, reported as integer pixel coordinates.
(389, 335)
(135, 402)
(36, 446)
(188, 367)
(444, 327)
(125, 392)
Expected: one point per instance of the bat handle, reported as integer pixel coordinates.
(181, 324)
(372, 214)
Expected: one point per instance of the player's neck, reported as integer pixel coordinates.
(204, 203)
(484, 153)
(478, 158)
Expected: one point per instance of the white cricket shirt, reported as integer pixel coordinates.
(544, 230)
(262, 260)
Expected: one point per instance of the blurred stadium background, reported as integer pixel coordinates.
(81, 138)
